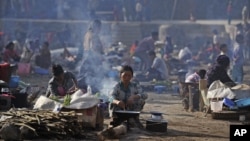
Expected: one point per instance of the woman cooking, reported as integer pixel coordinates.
(61, 83)
(127, 95)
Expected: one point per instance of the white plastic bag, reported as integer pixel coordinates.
(44, 103)
(80, 100)
(218, 90)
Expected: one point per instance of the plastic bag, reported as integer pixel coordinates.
(218, 90)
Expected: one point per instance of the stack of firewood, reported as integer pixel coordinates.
(37, 124)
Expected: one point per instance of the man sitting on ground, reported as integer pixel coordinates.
(158, 69)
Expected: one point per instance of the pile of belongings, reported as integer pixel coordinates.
(85, 104)
(234, 98)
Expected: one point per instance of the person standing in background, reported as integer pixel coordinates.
(247, 41)
(92, 60)
(245, 14)
(92, 42)
(146, 45)
(215, 46)
(238, 59)
(146, 10)
(124, 13)
(92, 6)
(229, 12)
(139, 12)
(116, 13)
(169, 47)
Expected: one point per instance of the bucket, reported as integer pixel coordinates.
(216, 106)
(14, 81)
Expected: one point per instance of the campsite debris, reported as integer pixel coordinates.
(31, 124)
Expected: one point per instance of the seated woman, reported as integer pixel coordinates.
(219, 72)
(61, 83)
(43, 59)
(10, 55)
(126, 94)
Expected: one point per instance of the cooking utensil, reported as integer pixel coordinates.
(156, 115)
(123, 115)
(126, 114)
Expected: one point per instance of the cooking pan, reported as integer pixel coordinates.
(126, 114)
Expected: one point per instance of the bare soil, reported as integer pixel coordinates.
(182, 125)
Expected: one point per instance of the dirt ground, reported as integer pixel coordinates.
(182, 125)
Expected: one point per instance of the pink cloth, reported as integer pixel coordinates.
(61, 91)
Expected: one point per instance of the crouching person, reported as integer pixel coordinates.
(126, 95)
(62, 82)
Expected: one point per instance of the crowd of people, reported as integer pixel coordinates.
(83, 9)
(31, 52)
(226, 60)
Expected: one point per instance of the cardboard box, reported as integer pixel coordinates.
(90, 118)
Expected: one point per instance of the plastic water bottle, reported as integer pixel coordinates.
(89, 90)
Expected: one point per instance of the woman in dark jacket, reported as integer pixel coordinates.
(219, 72)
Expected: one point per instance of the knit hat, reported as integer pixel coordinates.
(223, 60)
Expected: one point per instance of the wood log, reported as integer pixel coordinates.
(43, 124)
(112, 133)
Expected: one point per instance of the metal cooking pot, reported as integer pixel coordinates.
(156, 115)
